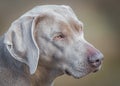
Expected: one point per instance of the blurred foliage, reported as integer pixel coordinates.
(102, 28)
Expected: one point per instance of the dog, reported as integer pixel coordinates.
(44, 43)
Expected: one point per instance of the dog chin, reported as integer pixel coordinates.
(81, 73)
(77, 74)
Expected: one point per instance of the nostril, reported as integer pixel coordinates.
(95, 63)
(95, 60)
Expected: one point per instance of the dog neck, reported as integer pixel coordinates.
(44, 76)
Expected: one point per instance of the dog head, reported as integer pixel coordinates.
(52, 36)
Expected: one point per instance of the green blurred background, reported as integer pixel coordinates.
(101, 20)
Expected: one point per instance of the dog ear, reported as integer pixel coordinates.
(20, 42)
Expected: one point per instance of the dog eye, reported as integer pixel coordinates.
(59, 37)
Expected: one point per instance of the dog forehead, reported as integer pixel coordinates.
(59, 11)
(61, 14)
(50, 9)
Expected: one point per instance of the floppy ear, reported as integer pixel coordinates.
(21, 44)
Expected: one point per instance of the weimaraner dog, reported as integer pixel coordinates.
(44, 43)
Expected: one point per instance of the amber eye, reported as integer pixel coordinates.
(59, 37)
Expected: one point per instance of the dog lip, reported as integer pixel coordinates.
(95, 70)
(70, 74)
(67, 72)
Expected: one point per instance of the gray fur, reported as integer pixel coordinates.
(44, 43)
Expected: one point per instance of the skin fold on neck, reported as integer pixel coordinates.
(45, 76)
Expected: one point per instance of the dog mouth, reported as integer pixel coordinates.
(76, 74)
(68, 72)
(81, 73)
(97, 69)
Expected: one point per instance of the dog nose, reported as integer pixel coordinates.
(95, 59)
(94, 56)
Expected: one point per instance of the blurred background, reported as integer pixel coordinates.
(101, 20)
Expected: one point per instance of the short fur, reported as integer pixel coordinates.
(44, 43)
